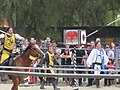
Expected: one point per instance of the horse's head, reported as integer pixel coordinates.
(35, 52)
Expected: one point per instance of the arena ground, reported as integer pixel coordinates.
(36, 87)
(62, 85)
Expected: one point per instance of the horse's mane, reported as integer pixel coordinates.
(28, 47)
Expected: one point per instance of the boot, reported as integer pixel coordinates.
(54, 82)
(56, 88)
(42, 84)
(97, 83)
(94, 82)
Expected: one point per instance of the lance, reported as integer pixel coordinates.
(103, 27)
(4, 32)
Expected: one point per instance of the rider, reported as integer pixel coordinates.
(9, 41)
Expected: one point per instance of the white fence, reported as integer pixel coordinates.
(39, 74)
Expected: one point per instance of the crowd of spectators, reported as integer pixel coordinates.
(62, 56)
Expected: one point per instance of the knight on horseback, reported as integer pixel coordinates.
(9, 41)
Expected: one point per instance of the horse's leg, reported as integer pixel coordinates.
(15, 84)
(21, 79)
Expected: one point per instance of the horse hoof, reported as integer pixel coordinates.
(4, 80)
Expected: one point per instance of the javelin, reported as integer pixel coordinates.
(4, 32)
(103, 27)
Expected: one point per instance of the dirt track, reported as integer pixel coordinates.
(36, 87)
(61, 84)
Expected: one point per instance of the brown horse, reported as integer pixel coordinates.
(24, 60)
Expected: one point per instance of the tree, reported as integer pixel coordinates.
(34, 18)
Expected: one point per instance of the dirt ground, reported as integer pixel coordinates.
(62, 85)
(36, 87)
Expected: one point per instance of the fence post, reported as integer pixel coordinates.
(116, 58)
(75, 81)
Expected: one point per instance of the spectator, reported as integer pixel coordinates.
(110, 55)
(97, 59)
(25, 44)
(67, 46)
(48, 40)
(79, 54)
(109, 52)
(57, 53)
(66, 60)
(32, 40)
(90, 47)
(92, 43)
(113, 46)
(45, 44)
(111, 66)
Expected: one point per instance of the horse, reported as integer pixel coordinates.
(25, 60)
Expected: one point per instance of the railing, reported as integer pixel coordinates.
(62, 69)
(60, 75)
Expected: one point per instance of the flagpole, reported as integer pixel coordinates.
(103, 27)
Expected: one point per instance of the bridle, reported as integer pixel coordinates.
(35, 51)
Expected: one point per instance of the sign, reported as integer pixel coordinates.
(71, 37)
(83, 36)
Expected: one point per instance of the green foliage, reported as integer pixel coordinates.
(33, 18)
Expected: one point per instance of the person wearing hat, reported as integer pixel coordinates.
(9, 42)
(97, 59)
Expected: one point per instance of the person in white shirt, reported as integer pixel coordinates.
(97, 59)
